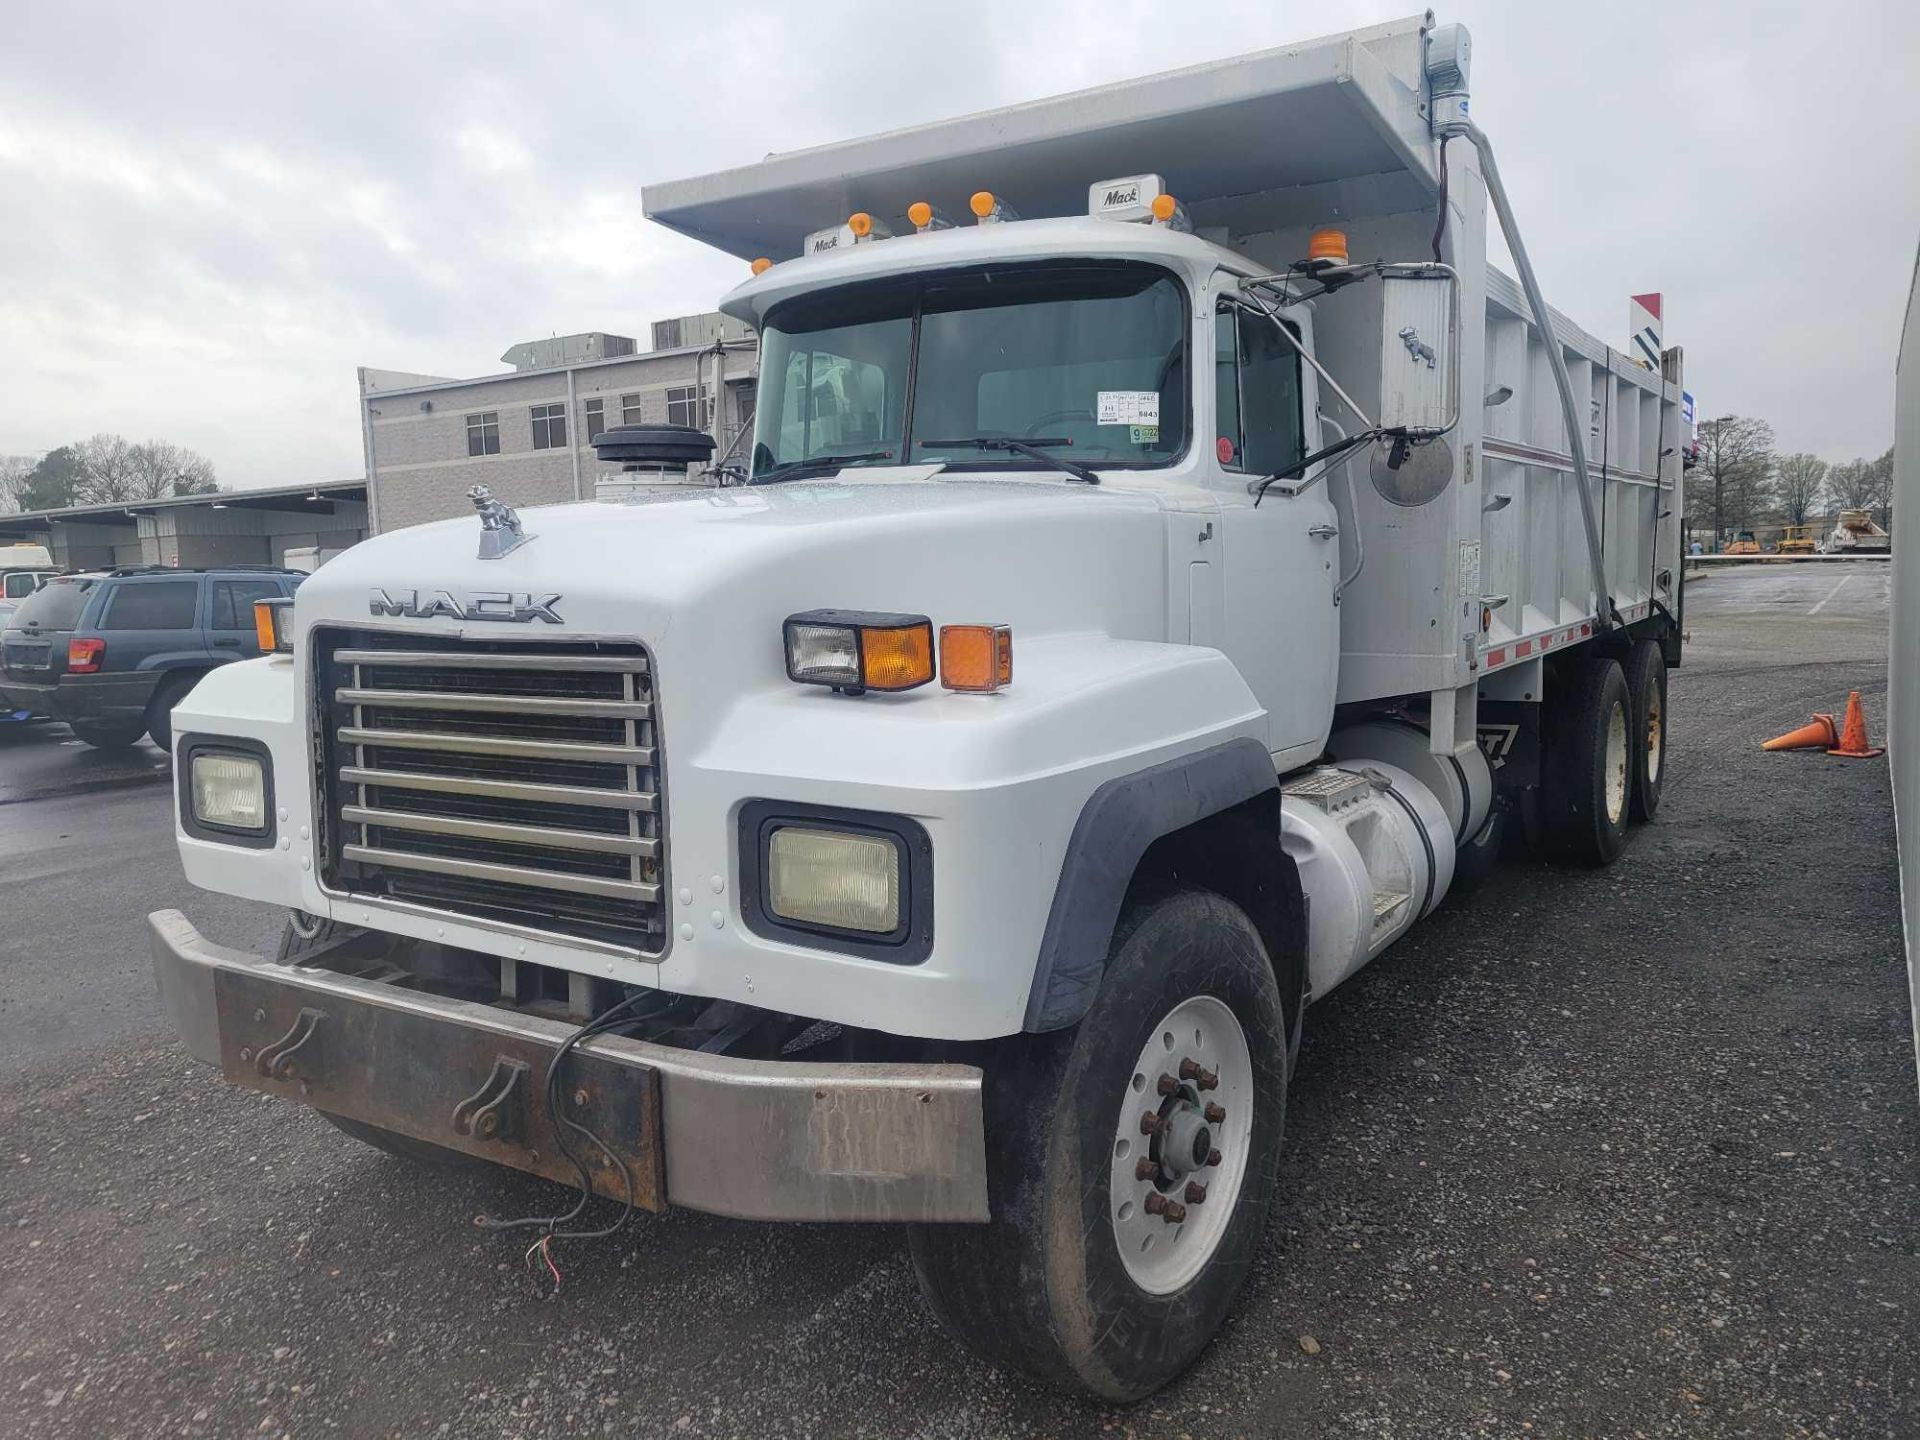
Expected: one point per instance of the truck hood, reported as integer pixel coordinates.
(705, 577)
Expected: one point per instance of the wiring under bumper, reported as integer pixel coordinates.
(753, 1139)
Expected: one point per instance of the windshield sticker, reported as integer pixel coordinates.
(1128, 407)
(1143, 434)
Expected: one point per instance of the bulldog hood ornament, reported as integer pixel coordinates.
(500, 532)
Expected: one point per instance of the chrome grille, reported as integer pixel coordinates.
(516, 784)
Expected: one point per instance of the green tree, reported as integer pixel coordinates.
(1734, 478)
(53, 483)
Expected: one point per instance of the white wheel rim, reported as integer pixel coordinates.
(1656, 736)
(1616, 763)
(1164, 1249)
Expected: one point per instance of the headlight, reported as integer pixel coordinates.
(857, 882)
(229, 791)
(859, 650)
(830, 877)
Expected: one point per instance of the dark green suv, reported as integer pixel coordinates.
(112, 653)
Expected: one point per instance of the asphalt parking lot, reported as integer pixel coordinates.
(1633, 1152)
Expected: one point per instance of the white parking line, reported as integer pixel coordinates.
(1839, 585)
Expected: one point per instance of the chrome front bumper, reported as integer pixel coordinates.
(754, 1139)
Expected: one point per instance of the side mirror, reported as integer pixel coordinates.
(1419, 349)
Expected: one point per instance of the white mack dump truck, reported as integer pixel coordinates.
(1147, 592)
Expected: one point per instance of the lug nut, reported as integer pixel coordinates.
(1192, 1070)
(1196, 1192)
(1154, 1204)
(1213, 1157)
(1145, 1168)
(1174, 1212)
(1167, 1085)
(1151, 1123)
(1214, 1113)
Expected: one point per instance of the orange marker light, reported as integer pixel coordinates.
(762, 265)
(860, 223)
(896, 659)
(1327, 247)
(921, 214)
(1164, 206)
(273, 625)
(976, 659)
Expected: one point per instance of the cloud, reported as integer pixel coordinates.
(216, 213)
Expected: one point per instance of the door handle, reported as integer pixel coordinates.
(1324, 531)
(227, 644)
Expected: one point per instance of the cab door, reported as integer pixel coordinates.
(1282, 554)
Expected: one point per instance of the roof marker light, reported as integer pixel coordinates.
(989, 209)
(925, 218)
(762, 265)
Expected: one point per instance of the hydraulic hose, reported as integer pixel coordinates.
(1605, 615)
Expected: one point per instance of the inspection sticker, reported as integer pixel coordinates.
(1142, 434)
(1128, 407)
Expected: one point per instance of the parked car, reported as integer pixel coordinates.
(111, 653)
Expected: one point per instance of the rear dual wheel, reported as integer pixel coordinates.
(1131, 1162)
(1604, 738)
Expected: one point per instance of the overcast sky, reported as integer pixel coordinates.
(211, 213)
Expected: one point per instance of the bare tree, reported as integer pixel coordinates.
(1862, 484)
(1798, 483)
(1735, 470)
(106, 471)
(113, 471)
(14, 470)
(161, 469)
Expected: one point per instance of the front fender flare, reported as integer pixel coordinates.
(1119, 821)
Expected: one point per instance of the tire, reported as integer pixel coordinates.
(104, 736)
(1044, 1288)
(1647, 684)
(160, 709)
(1586, 775)
(293, 948)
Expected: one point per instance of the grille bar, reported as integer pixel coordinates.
(437, 700)
(485, 660)
(498, 745)
(497, 830)
(507, 874)
(512, 782)
(642, 800)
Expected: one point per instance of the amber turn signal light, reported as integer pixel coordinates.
(976, 659)
(273, 626)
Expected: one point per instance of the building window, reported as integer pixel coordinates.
(483, 433)
(596, 419)
(549, 427)
(630, 410)
(683, 405)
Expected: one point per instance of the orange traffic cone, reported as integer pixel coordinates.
(1853, 740)
(1819, 733)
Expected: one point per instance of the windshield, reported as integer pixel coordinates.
(1089, 354)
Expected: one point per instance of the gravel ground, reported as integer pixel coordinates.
(1591, 1154)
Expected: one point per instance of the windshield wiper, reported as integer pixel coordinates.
(1030, 448)
(793, 469)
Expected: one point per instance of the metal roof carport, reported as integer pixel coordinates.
(233, 527)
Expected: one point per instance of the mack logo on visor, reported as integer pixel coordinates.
(478, 605)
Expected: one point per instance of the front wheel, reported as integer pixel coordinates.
(1131, 1163)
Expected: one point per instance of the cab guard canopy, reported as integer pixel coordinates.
(1336, 126)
